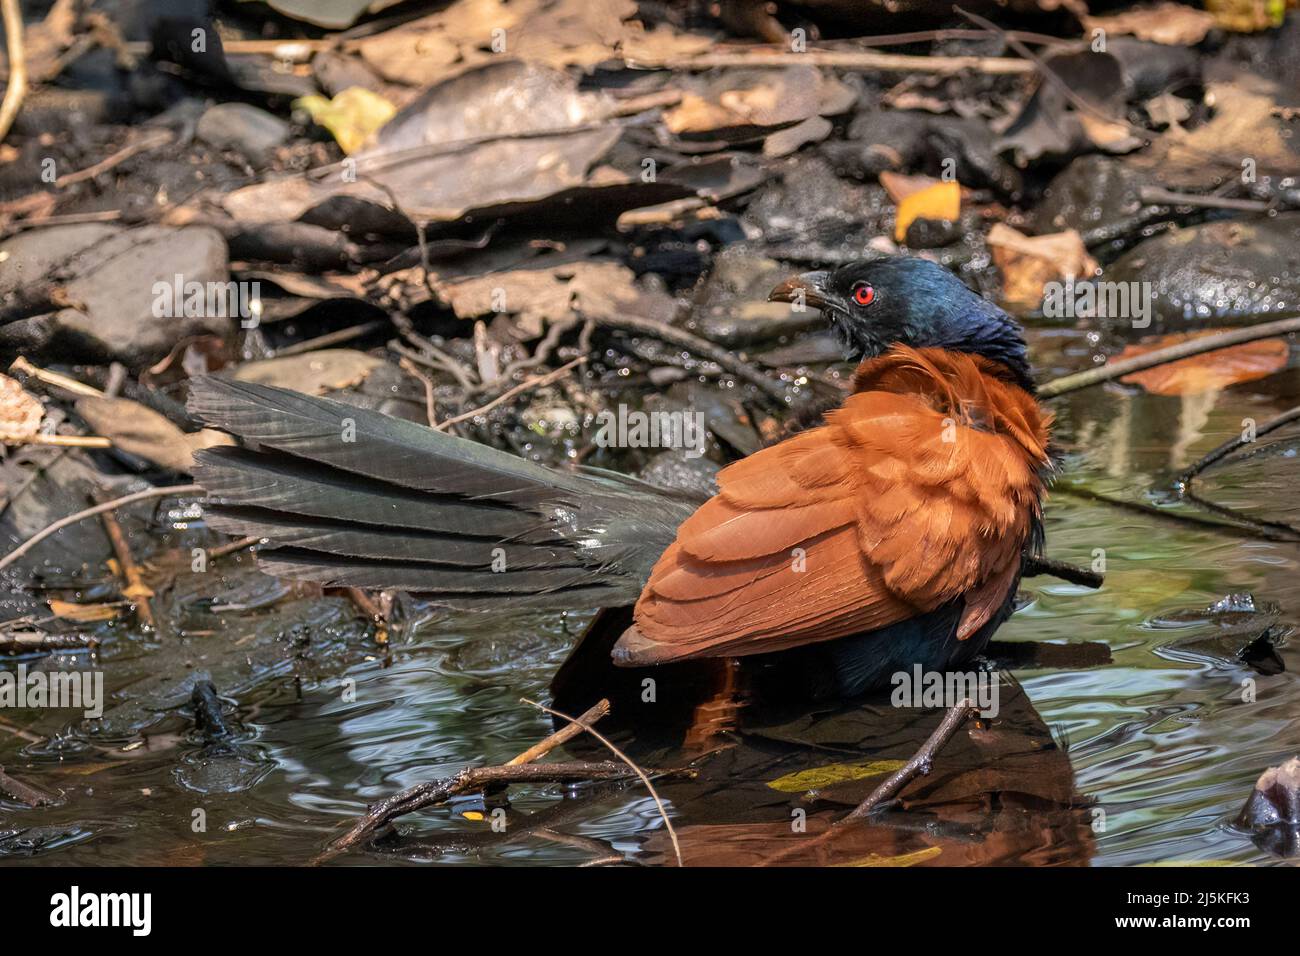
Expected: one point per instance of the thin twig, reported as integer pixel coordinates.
(728, 361)
(1172, 353)
(1228, 447)
(135, 590)
(844, 59)
(47, 377)
(423, 795)
(525, 386)
(1249, 528)
(1155, 196)
(162, 138)
(469, 780)
(72, 519)
(430, 412)
(17, 88)
(663, 813)
(919, 766)
(231, 547)
(62, 441)
(567, 732)
(30, 642)
(330, 339)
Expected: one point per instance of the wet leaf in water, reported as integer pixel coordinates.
(1209, 371)
(819, 777)
(905, 859)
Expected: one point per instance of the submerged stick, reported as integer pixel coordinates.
(919, 766)
(1228, 447)
(424, 795)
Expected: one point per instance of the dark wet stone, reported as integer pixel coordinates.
(724, 417)
(1219, 273)
(1234, 630)
(932, 233)
(812, 215)
(1272, 812)
(1152, 68)
(246, 129)
(222, 769)
(672, 469)
(1098, 197)
(110, 273)
(921, 143)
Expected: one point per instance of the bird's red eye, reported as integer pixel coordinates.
(864, 294)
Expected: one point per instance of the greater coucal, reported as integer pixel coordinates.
(896, 531)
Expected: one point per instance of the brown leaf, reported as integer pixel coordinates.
(313, 373)
(1028, 263)
(1208, 371)
(1173, 24)
(139, 430)
(538, 296)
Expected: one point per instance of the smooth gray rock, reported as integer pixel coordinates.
(246, 129)
(110, 273)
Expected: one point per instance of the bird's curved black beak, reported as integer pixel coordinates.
(811, 288)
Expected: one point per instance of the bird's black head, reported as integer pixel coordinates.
(873, 305)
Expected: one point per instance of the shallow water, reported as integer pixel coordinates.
(1145, 759)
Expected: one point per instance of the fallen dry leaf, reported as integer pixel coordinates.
(1209, 371)
(941, 201)
(139, 430)
(1028, 263)
(538, 296)
(1172, 24)
(313, 373)
(20, 412)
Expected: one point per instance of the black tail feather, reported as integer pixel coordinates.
(351, 497)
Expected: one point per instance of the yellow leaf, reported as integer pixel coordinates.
(1181, 863)
(84, 613)
(819, 777)
(472, 815)
(351, 116)
(940, 201)
(907, 859)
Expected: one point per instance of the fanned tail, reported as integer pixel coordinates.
(352, 497)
